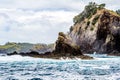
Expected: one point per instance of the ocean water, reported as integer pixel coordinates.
(103, 67)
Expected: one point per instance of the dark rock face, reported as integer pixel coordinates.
(64, 46)
(109, 32)
(104, 37)
(14, 53)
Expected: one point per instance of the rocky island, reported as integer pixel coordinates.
(96, 29)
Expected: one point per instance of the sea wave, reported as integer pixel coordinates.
(16, 67)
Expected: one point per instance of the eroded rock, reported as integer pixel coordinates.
(65, 46)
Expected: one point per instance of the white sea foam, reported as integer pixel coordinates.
(14, 58)
(25, 68)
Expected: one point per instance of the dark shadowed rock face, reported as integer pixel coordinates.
(65, 46)
(109, 32)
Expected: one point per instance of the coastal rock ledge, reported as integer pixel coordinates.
(64, 48)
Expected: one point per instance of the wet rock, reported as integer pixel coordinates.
(36, 79)
(14, 53)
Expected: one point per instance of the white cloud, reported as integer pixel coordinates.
(36, 27)
(42, 4)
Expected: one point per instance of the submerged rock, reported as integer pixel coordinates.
(36, 79)
(14, 53)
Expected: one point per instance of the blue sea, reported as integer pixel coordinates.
(16, 67)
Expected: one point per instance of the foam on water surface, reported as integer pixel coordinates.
(16, 67)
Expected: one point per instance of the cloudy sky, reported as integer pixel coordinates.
(39, 21)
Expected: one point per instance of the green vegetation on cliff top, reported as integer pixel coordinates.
(89, 10)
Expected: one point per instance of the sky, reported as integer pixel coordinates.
(39, 21)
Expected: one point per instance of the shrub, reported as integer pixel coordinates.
(89, 10)
(90, 16)
(94, 11)
(95, 19)
(62, 34)
(88, 23)
(101, 6)
(91, 28)
(78, 18)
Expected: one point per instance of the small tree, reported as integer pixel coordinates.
(95, 19)
(101, 6)
(88, 12)
(88, 23)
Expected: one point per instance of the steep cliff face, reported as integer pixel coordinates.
(99, 33)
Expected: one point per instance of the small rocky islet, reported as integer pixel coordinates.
(95, 29)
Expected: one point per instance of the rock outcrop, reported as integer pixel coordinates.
(65, 46)
(99, 33)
